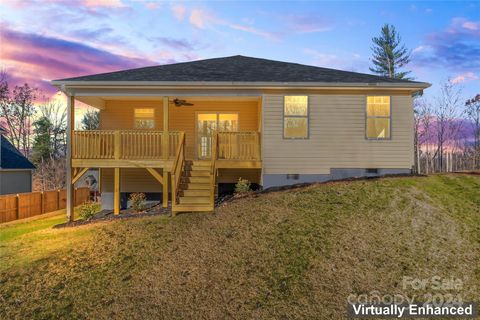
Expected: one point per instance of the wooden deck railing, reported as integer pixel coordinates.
(177, 167)
(93, 144)
(213, 169)
(238, 145)
(122, 144)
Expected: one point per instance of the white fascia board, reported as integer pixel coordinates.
(231, 85)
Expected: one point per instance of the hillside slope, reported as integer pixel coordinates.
(294, 254)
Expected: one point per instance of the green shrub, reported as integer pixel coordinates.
(242, 186)
(87, 210)
(138, 201)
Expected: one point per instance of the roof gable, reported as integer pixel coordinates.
(238, 69)
(11, 158)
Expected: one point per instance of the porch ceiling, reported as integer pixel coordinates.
(99, 101)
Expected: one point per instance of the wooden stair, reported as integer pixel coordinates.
(195, 190)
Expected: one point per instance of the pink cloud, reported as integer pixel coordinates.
(464, 77)
(37, 59)
(179, 11)
(258, 32)
(200, 18)
(470, 25)
(455, 48)
(104, 3)
(152, 5)
(464, 26)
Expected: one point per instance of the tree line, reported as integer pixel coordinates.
(447, 127)
(37, 127)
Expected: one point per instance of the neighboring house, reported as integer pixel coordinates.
(184, 128)
(15, 169)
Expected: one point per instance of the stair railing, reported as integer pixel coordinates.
(213, 169)
(177, 168)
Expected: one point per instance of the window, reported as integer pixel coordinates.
(378, 117)
(144, 118)
(295, 117)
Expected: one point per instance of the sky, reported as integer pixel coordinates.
(43, 40)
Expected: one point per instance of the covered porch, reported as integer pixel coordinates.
(214, 130)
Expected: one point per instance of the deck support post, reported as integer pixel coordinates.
(165, 189)
(116, 192)
(70, 142)
(166, 136)
(166, 149)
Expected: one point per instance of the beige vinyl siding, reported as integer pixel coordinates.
(120, 115)
(131, 180)
(336, 137)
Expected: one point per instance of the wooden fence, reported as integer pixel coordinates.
(25, 205)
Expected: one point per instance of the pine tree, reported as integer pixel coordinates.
(389, 55)
(91, 120)
(42, 143)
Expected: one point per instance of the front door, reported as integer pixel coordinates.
(207, 124)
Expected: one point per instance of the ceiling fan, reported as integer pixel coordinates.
(181, 103)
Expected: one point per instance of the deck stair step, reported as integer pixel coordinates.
(197, 173)
(194, 179)
(195, 186)
(195, 200)
(198, 164)
(194, 208)
(195, 193)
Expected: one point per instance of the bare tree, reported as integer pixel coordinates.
(17, 109)
(423, 119)
(422, 115)
(447, 113)
(473, 114)
(50, 174)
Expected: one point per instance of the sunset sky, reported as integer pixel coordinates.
(44, 40)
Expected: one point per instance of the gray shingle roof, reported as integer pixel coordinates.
(238, 69)
(11, 158)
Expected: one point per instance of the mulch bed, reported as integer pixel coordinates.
(107, 215)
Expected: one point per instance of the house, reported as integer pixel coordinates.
(184, 129)
(15, 169)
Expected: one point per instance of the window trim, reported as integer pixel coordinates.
(296, 116)
(153, 118)
(365, 110)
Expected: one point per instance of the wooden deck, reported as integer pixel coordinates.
(124, 148)
(154, 150)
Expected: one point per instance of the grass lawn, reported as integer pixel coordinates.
(294, 254)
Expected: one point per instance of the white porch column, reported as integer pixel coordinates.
(70, 128)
